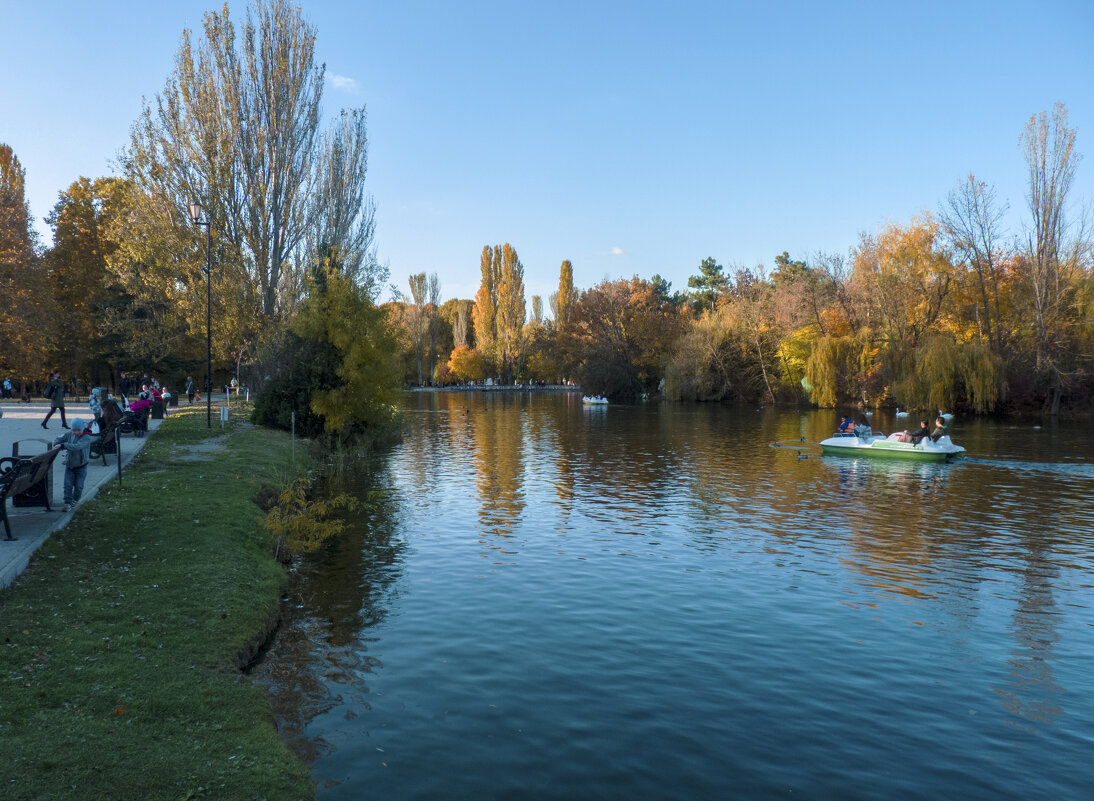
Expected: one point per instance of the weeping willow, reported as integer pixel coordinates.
(838, 369)
(940, 368)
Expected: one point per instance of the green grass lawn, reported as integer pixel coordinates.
(123, 641)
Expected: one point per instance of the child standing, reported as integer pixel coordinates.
(77, 445)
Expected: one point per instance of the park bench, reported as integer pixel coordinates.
(19, 474)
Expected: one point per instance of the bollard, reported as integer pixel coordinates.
(223, 416)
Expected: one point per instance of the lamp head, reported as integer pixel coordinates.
(195, 212)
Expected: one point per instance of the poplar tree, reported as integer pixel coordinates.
(510, 309)
(418, 321)
(1051, 255)
(237, 128)
(484, 313)
(563, 300)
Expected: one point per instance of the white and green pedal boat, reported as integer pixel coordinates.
(891, 447)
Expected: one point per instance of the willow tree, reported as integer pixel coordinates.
(237, 126)
(943, 368)
(838, 369)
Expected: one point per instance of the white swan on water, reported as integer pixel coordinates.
(900, 413)
(945, 415)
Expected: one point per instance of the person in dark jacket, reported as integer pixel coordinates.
(939, 429)
(55, 391)
(125, 387)
(921, 432)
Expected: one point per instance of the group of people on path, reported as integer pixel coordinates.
(151, 392)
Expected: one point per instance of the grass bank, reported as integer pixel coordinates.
(123, 641)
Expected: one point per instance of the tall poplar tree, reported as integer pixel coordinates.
(563, 300)
(237, 128)
(484, 314)
(510, 310)
(1051, 259)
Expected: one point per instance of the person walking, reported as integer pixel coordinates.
(191, 388)
(77, 444)
(125, 387)
(55, 391)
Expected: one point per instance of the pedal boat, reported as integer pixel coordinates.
(891, 448)
(594, 400)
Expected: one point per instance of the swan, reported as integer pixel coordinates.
(945, 415)
(900, 413)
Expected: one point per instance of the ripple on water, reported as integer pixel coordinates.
(650, 602)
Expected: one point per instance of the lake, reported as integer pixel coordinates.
(551, 601)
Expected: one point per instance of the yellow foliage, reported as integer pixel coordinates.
(299, 525)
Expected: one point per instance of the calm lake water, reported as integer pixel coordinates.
(558, 602)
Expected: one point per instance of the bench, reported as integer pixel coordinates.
(19, 474)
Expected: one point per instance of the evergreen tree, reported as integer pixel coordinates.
(708, 284)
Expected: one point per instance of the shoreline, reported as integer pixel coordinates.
(550, 388)
(127, 635)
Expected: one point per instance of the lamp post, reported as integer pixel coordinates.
(195, 218)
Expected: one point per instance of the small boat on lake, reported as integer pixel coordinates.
(891, 447)
(594, 400)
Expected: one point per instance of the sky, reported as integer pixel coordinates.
(632, 138)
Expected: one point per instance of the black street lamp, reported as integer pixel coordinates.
(195, 218)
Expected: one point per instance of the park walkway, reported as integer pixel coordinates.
(31, 526)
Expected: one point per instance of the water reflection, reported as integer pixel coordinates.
(320, 661)
(539, 569)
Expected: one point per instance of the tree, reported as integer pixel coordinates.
(484, 315)
(273, 188)
(708, 284)
(903, 277)
(1049, 150)
(417, 317)
(510, 316)
(25, 308)
(338, 371)
(77, 270)
(619, 337)
(972, 221)
(465, 364)
(433, 296)
(563, 300)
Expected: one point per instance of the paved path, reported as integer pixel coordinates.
(31, 526)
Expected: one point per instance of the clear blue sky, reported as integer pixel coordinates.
(629, 137)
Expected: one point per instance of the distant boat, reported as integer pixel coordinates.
(594, 400)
